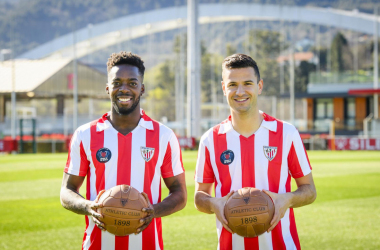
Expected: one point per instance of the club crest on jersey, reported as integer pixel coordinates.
(270, 152)
(103, 155)
(147, 153)
(227, 157)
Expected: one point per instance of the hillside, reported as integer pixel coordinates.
(29, 23)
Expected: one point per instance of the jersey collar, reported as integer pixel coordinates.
(103, 123)
(145, 122)
(269, 123)
(225, 126)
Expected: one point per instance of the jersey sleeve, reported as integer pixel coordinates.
(298, 161)
(172, 164)
(77, 162)
(204, 172)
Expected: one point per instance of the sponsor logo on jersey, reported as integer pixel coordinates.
(227, 157)
(147, 153)
(103, 155)
(270, 152)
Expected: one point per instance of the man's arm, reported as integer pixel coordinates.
(73, 201)
(205, 203)
(175, 201)
(304, 195)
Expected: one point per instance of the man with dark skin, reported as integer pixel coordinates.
(126, 120)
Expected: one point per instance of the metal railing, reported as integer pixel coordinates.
(361, 77)
(323, 125)
(371, 126)
(47, 125)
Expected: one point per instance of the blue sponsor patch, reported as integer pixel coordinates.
(103, 155)
(227, 157)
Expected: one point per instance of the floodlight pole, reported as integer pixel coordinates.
(75, 83)
(318, 78)
(148, 41)
(13, 95)
(193, 68)
(356, 54)
(90, 62)
(179, 84)
(214, 92)
(291, 84)
(182, 81)
(376, 66)
(282, 68)
(291, 77)
(13, 98)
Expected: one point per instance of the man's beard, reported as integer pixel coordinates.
(126, 111)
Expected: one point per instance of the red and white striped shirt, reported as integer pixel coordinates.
(138, 159)
(265, 160)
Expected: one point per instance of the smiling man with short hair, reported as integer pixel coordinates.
(252, 149)
(124, 146)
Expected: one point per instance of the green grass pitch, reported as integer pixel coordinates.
(346, 214)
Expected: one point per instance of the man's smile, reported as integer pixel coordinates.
(241, 100)
(124, 99)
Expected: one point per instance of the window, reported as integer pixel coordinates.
(325, 109)
(323, 114)
(350, 113)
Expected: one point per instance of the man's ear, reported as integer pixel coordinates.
(107, 89)
(260, 85)
(223, 87)
(142, 89)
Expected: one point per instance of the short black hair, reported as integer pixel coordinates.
(238, 61)
(124, 57)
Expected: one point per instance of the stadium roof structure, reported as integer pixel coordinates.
(50, 77)
(102, 35)
(29, 74)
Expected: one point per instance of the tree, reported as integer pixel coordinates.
(322, 56)
(339, 53)
(372, 49)
(160, 97)
(302, 73)
(264, 46)
(230, 49)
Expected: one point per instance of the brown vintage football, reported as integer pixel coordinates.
(122, 209)
(249, 212)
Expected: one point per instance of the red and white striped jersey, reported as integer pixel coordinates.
(265, 160)
(138, 159)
